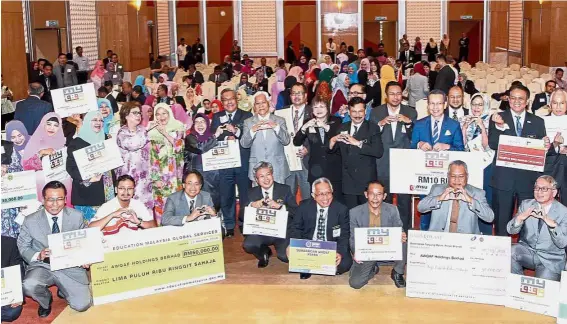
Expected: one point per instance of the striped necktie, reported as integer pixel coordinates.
(436, 132)
(518, 126)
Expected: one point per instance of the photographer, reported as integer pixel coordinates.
(190, 204)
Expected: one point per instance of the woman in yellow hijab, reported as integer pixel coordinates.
(386, 75)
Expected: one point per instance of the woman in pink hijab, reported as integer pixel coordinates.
(171, 86)
(296, 72)
(97, 75)
(180, 114)
(279, 85)
(44, 143)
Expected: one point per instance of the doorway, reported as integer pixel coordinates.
(473, 29)
(384, 31)
(48, 43)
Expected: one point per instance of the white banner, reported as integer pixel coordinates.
(532, 294)
(378, 243)
(77, 99)
(98, 158)
(461, 267)
(12, 285)
(225, 155)
(265, 221)
(554, 125)
(55, 166)
(416, 171)
(521, 153)
(562, 313)
(75, 248)
(18, 189)
(294, 161)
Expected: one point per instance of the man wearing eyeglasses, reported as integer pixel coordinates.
(357, 90)
(510, 184)
(123, 211)
(456, 207)
(323, 219)
(73, 283)
(295, 115)
(375, 213)
(542, 225)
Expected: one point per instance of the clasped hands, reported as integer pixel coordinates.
(345, 138)
(263, 125)
(266, 203)
(201, 211)
(127, 215)
(536, 213)
(393, 119)
(455, 194)
(315, 123)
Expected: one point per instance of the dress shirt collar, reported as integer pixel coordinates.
(264, 118)
(440, 120)
(270, 192)
(393, 112)
(522, 115)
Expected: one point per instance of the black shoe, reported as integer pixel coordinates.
(229, 232)
(376, 268)
(265, 260)
(44, 312)
(304, 276)
(60, 294)
(398, 279)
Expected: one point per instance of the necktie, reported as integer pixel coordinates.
(539, 225)
(191, 206)
(321, 226)
(436, 132)
(230, 118)
(518, 126)
(266, 195)
(55, 227)
(296, 121)
(217, 78)
(454, 217)
(455, 117)
(47, 83)
(322, 134)
(355, 131)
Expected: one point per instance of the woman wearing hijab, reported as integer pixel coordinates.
(163, 79)
(111, 125)
(199, 141)
(243, 102)
(278, 86)
(216, 106)
(284, 98)
(344, 67)
(340, 94)
(312, 84)
(261, 82)
(556, 161)
(431, 50)
(134, 144)
(365, 65)
(192, 101)
(466, 84)
(18, 135)
(353, 73)
(303, 64)
(97, 75)
(335, 68)
(417, 86)
(180, 115)
(297, 72)
(374, 74)
(141, 81)
(88, 195)
(475, 126)
(166, 156)
(386, 75)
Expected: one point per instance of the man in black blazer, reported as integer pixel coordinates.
(446, 77)
(197, 76)
(48, 81)
(323, 219)
(395, 121)
(271, 195)
(231, 119)
(359, 144)
(268, 71)
(11, 257)
(455, 110)
(542, 99)
(104, 94)
(31, 110)
(510, 184)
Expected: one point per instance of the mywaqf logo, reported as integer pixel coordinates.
(73, 93)
(436, 160)
(221, 149)
(94, 151)
(72, 240)
(56, 159)
(532, 286)
(378, 236)
(265, 215)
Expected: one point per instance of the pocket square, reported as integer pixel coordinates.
(529, 122)
(448, 133)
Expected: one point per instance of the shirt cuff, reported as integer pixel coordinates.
(518, 223)
(500, 128)
(237, 134)
(277, 128)
(35, 257)
(184, 220)
(252, 133)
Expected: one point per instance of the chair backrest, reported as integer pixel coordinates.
(509, 78)
(535, 73)
(490, 78)
(498, 74)
(481, 74)
(494, 104)
(546, 77)
(535, 87)
(527, 78)
(421, 108)
(543, 111)
(208, 90)
(467, 100)
(480, 84)
(515, 67)
(492, 88)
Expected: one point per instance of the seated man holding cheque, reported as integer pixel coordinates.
(542, 224)
(123, 210)
(455, 207)
(190, 204)
(272, 195)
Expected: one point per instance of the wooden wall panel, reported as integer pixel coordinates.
(388, 10)
(498, 24)
(299, 24)
(139, 38)
(14, 69)
(539, 34)
(456, 9)
(47, 10)
(188, 16)
(219, 32)
(389, 27)
(558, 32)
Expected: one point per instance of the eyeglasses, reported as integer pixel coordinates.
(477, 105)
(54, 200)
(323, 194)
(228, 99)
(519, 99)
(542, 189)
(298, 94)
(135, 113)
(355, 93)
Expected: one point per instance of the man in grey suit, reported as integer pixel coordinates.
(73, 283)
(116, 70)
(190, 204)
(396, 122)
(456, 207)
(542, 224)
(65, 73)
(266, 135)
(375, 213)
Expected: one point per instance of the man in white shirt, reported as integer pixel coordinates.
(123, 210)
(83, 63)
(181, 52)
(456, 110)
(190, 204)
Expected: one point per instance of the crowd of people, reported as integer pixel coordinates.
(342, 118)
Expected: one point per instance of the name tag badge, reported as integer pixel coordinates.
(114, 76)
(344, 132)
(336, 232)
(120, 66)
(541, 99)
(68, 70)
(3, 152)
(224, 119)
(403, 129)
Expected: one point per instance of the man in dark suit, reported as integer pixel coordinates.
(197, 76)
(396, 122)
(268, 71)
(406, 55)
(542, 99)
(304, 50)
(65, 73)
(107, 58)
(198, 50)
(126, 94)
(456, 111)
(510, 184)
(103, 93)
(271, 195)
(31, 110)
(138, 95)
(11, 257)
(48, 81)
(464, 48)
(446, 77)
(323, 219)
(218, 76)
(232, 121)
(359, 144)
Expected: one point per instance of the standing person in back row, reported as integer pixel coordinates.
(446, 77)
(511, 185)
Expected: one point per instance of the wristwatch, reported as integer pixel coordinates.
(141, 221)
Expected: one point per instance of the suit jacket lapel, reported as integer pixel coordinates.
(43, 225)
(199, 200)
(184, 204)
(66, 221)
(429, 138)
